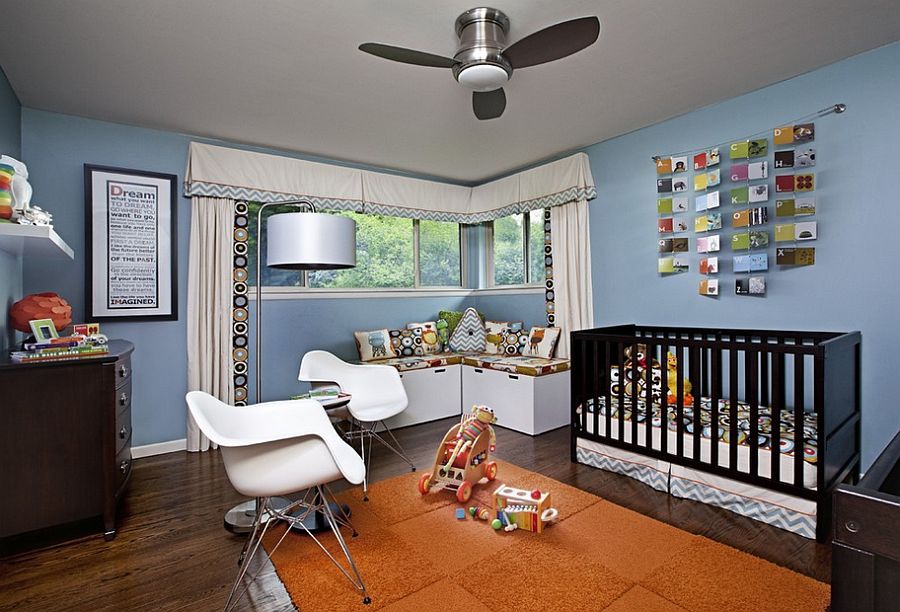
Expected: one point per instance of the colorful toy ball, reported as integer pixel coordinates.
(480, 512)
(496, 524)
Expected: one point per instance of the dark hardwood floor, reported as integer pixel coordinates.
(172, 553)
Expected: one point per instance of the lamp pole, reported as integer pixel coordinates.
(301, 204)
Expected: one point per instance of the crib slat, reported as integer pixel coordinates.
(696, 420)
(634, 395)
(621, 394)
(664, 402)
(679, 400)
(716, 394)
(733, 390)
(597, 377)
(751, 374)
(799, 398)
(648, 397)
(606, 390)
(776, 406)
(764, 373)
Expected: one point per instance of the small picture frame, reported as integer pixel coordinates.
(43, 329)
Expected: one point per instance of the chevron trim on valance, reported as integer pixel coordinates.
(223, 172)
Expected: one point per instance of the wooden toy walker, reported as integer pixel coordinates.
(463, 458)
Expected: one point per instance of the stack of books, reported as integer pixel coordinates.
(58, 349)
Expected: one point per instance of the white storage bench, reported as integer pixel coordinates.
(527, 394)
(433, 386)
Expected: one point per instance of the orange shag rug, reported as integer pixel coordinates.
(415, 555)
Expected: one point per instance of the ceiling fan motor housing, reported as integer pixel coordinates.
(482, 38)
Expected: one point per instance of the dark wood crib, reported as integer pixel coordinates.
(779, 375)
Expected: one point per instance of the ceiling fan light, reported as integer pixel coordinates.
(483, 77)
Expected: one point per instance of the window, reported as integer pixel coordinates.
(440, 262)
(384, 256)
(387, 252)
(518, 249)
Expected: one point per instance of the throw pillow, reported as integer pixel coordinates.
(469, 334)
(406, 342)
(453, 317)
(542, 341)
(428, 332)
(496, 335)
(515, 342)
(374, 344)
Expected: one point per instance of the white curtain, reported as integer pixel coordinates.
(570, 236)
(209, 305)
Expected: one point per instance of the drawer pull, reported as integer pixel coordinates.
(123, 432)
(123, 371)
(123, 399)
(123, 467)
(478, 371)
(513, 376)
(442, 370)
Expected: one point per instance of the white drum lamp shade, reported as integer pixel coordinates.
(310, 241)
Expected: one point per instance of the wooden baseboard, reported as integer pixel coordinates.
(160, 448)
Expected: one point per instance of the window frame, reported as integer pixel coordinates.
(304, 287)
(526, 247)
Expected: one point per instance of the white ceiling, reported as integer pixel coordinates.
(287, 73)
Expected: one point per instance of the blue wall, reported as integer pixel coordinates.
(850, 286)
(56, 147)
(10, 266)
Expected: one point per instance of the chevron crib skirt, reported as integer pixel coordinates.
(778, 509)
(649, 471)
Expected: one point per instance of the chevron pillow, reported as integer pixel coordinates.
(469, 334)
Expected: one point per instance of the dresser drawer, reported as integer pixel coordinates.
(123, 371)
(123, 397)
(122, 465)
(123, 427)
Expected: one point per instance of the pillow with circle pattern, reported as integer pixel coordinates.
(406, 342)
(503, 337)
(428, 332)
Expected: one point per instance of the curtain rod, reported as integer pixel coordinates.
(836, 109)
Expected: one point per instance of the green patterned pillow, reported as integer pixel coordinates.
(452, 318)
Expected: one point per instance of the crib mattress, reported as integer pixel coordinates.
(787, 445)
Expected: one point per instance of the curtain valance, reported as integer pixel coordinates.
(223, 172)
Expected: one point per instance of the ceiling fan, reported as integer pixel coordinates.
(484, 63)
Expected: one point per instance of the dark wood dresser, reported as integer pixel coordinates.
(65, 441)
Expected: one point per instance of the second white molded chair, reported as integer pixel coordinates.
(273, 449)
(378, 394)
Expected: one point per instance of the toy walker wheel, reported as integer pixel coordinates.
(490, 470)
(464, 492)
(425, 483)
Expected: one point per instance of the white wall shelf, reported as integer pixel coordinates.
(33, 241)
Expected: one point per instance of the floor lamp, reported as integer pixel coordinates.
(305, 240)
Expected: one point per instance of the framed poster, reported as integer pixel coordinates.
(130, 233)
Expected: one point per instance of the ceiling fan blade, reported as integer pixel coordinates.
(408, 56)
(553, 43)
(488, 104)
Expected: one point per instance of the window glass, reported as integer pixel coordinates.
(384, 256)
(439, 254)
(536, 246)
(509, 257)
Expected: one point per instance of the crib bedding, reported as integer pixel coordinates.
(787, 443)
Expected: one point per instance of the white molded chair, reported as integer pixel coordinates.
(273, 449)
(378, 394)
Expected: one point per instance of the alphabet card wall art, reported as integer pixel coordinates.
(672, 265)
(679, 204)
(709, 265)
(795, 257)
(679, 164)
(664, 225)
(664, 206)
(710, 244)
(755, 285)
(664, 185)
(799, 207)
(679, 183)
(758, 193)
(709, 286)
(664, 165)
